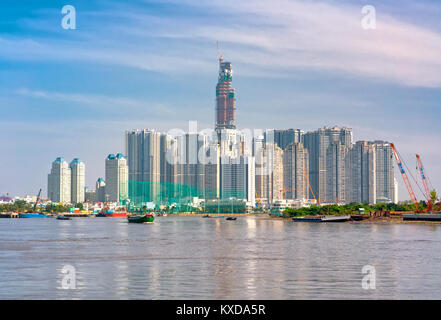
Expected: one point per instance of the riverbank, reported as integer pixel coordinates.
(192, 214)
(395, 218)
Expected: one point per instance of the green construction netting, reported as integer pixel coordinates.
(182, 197)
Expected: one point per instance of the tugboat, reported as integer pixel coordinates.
(141, 218)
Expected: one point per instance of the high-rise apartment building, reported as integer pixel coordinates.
(336, 175)
(273, 169)
(284, 138)
(143, 149)
(212, 172)
(261, 171)
(190, 168)
(317, 142)
(385, 178)
(295, 172)
(117, 176)
(237, 178)
(370, 177)
(77, 168)
(90, 196)
(168, 159)
(269, 170)
(361, 173)
(59, 181)
(100, 189)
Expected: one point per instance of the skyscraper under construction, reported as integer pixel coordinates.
(225, 97)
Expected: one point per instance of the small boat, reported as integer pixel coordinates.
(141, 218)
(232, 218)
(63, 217)
(206, 216)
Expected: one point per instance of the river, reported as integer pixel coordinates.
(196, 258)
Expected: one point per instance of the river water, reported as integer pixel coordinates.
(196, 258)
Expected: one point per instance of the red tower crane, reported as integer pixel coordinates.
(405, 177)
(421, 170)
(424, 178)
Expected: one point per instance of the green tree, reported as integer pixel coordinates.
(434, 196)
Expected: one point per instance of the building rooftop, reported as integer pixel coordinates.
(76, 160)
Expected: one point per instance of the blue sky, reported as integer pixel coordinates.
(153, 64)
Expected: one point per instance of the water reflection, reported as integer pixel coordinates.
(196, 258)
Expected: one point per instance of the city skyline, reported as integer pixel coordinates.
(376, 106)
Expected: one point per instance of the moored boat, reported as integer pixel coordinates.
(141, 218)
(32, 215)
(422, 216)
(63, 217)
(307, 219)
(231, 218)
(336, 218)
(322, 219)
(115, 214)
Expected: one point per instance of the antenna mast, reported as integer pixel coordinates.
(218, 52)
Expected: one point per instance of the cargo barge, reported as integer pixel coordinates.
(422, 217)
(322, 219)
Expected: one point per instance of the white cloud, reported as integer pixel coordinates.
(104, 102)
(293, 34)
(274, 37)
